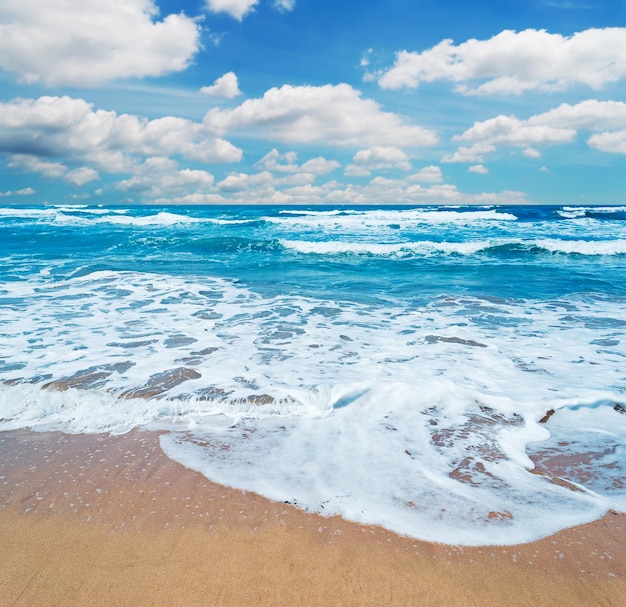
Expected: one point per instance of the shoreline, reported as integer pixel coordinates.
(99, 519)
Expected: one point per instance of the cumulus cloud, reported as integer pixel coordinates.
(32, 130)
(366, 57)
(239, 182)
(81, 176)
(31, 164)
(513, 62)
(560, 125)
(429, 174)
(287, 163)
(378, 158)
(474, 153)
(284, 5)
(478, 168)
(423, 187)
(225, 86)
(512, 131)
(331, 114)
(235, 8)
(158, 176)
(23, 192)
(531, 153)
(91, 42)
(588, 115)
(381, 190)
(614, 142)
(239, 9)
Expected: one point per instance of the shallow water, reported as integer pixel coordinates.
(393, 366)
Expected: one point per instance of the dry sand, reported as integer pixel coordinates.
(100, 520)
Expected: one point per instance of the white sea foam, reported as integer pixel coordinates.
(584, 247)
(162, 218)
(379, 464)
(427, 247)
(572, 212)
(91, 216)
(27, 213)
(415, 418)
(328, 247)
(80, 208)
(363, 220)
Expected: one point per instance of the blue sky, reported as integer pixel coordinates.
(312, 102)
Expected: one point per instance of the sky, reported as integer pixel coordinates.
(313, 102)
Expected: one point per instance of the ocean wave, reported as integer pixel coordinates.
(583, 247)
(357, 219)
(576, 212)
(446, 396)
(54, 211)
(77, 215)
(305, 212)
(383, 250)
(162, 218)
(27, 213)
(427, 248)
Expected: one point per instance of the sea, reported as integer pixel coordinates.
(453, 374)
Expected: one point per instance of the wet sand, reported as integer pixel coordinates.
(101, 520)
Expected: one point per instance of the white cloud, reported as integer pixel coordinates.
(158, 176)
(512, 131)
(365, 57)
(478, 168)
(238, 182)
(531, 153)
(285, 5)
(513, 62)
(353, 170)
(225, 86)
(429, 174)
(295, 179)
(91, 42)
(319, 166)
(335, 115)
(23, 192)
(378, 158)
(81, 176)
(614, 142)
(589, 115)
(558, 126)
(263, 188)
(275, 161)
(475, 153)
(32, 164)
(62, 127)
(401, 191)
(235, 8)
(287, 163)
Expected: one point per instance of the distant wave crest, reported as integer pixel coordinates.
(426, 248)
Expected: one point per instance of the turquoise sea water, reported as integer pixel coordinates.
(391, 365)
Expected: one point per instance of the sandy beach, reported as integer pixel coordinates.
(110, 520)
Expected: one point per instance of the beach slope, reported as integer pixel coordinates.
(110, 520)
